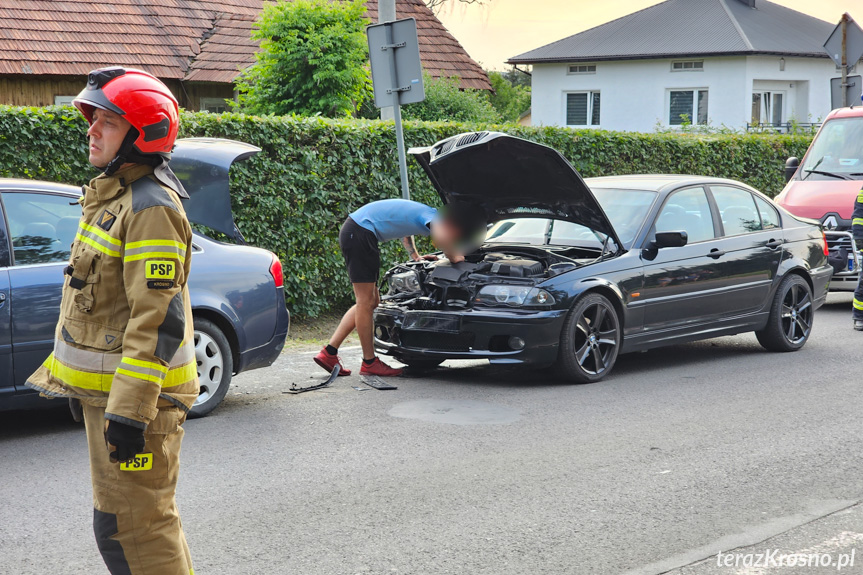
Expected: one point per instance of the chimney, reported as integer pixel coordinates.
(750, 3)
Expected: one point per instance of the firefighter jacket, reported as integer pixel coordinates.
(125, 336)
(857, 221)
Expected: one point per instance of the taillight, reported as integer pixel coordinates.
(276, 272)
(824, 239)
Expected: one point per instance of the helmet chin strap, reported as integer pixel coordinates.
(129, 154)
(123, 154)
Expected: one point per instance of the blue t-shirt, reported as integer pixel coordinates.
(394, 219)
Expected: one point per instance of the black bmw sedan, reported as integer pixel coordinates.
(574, 272)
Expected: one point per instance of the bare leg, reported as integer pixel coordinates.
(367, 300)
(346, 326)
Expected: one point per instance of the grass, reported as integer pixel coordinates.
(311, 333)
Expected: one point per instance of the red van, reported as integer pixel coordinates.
(824, 187)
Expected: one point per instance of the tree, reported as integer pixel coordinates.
(313, 59)
(445, 102)
(510, 101)
(437, 4)
(517, 76)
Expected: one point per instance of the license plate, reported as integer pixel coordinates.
(141, 462)
(432, 322)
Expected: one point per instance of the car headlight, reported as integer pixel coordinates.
(513, 295)
(404, 282)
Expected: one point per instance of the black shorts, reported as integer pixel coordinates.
(361, 251)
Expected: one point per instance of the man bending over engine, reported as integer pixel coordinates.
(359, 240)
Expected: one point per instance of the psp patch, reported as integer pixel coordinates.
(160, 269)
(141, 462)
(106, 220)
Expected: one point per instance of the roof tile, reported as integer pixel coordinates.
(192, 40)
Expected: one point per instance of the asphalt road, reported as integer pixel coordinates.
(684, 452)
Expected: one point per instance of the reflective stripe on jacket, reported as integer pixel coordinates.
(857, 217)
(125, 337)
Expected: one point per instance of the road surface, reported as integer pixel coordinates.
(683, 453)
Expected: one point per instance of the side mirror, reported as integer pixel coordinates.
(791, 165)
(671, 239)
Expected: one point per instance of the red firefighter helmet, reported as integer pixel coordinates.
(142, 99)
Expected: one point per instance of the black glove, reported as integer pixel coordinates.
(124, 441)
(77, 409)
(859, 244)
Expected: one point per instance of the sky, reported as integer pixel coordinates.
(499, 29)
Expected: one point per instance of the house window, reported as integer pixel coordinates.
(687, 66)
(214, 105)
(63, 100)
(767, 108)
(687, 107)
(582, 109)
(581, 69)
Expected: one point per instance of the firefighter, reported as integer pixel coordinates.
(857, 231)
(123, 350)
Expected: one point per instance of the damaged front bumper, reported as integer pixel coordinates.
(501, 336)
(845, 259)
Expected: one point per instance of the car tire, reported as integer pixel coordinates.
(791, 316)
(590, 340)
(215, 365)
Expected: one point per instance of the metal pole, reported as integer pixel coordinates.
(387, 13)
(845, 60)
(397, 116)
(403, 161)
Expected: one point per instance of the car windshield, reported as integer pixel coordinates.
(625, 208)
(837, 153)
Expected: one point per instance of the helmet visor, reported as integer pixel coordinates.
(93, 97)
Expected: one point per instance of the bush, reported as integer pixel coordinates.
(510, 101)
(293, 196)
(446, 102)
(313, 60)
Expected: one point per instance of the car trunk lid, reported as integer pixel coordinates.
(202, 165)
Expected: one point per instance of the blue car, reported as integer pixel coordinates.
(237, 291)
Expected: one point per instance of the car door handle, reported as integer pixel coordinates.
(716, 253)
(2, 298)
(773, 244)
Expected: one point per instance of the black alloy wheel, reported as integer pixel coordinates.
(791, 316)
(590, 340)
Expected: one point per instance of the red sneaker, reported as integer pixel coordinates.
(379, 368)
(328, 362)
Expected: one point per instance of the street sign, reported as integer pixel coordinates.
(853, 40)
(853, 92)
(396, 41)
(397, 76)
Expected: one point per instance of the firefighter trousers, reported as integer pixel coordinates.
(857, 314)
(135, 517)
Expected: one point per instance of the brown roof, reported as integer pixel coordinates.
(191, 40)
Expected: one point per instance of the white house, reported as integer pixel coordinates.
(716, 62)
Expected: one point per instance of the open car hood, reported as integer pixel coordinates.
(202, 165)
(512, 178)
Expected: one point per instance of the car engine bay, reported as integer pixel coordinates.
(496, 276)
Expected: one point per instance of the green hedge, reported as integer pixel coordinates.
(312, 172)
